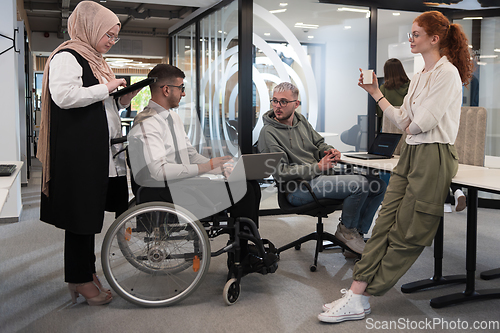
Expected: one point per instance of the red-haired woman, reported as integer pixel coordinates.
(413, 203)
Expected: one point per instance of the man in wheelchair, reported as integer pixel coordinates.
(166, 167)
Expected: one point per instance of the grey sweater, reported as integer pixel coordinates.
(302, 145)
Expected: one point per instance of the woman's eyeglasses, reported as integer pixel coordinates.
(112, 38)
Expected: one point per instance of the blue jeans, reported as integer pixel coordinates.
(362, 196)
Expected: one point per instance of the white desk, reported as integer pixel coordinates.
(11, 208)
(474, 179)
(3, 197)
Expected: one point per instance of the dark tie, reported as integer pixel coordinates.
(174, 137)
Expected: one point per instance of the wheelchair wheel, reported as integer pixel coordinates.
(231, 291)
(155, 254)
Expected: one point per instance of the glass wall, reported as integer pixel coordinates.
(319, 47)
(392, 41)
(483, 90)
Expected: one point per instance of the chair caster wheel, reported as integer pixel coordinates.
(231, 291)
(297, 247)
(313, 268)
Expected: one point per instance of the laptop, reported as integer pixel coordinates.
(252, 167)
(382, 147)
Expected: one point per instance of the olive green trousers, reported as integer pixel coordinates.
(410, 214)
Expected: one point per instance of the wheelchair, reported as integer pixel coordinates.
(158, 253)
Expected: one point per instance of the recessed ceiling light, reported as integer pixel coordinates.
(306, 26)
(347, 27)
(355, 10)
(267, 34)
(496, 50)
(310, 37)
(396, 14)
(283, 4)
(276, 11)
(488, 56)
(187, 47)
(473, 18)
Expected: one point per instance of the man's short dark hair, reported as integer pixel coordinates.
(165, 74)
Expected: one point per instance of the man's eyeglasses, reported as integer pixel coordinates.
(181, 87)
(412, 36)
(112, 38)
(283, 103)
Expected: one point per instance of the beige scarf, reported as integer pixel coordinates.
(87, 25)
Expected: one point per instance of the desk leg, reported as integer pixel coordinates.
(469, 294)
(438, 279)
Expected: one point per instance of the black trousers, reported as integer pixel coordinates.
(79, 250)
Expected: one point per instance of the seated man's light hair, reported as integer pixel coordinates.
(286, 86)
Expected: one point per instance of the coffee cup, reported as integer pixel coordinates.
(367, 76)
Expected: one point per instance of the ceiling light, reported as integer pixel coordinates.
(283, 4)
(496, 50)
(306, 26)
(473, 18)
(187, 46)
(488, 56)
(267, 34)
(396, 14)
(356, 10)
(276, 11)
(310, 37)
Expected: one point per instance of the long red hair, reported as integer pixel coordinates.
(453, 41)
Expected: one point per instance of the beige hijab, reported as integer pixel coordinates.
(86, 26)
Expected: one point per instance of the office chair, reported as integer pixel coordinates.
(319, 208)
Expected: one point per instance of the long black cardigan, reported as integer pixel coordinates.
(79, 164)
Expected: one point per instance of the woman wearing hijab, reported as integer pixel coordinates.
(80, 178)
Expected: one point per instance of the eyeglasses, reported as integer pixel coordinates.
(181, 87)
(283, 103)
(412, 36)
(112, 38)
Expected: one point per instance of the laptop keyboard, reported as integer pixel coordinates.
(7, 169)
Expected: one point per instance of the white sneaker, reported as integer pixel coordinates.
(364, 301)
(460, 201)
(351, 238)
(349, 307)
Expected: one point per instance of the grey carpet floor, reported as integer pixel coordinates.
(34, 298)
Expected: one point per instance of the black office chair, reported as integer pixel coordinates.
(319, 208)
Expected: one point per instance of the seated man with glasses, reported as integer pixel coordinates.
(308, 157)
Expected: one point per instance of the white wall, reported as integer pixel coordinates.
(346, 52)
(9, 124)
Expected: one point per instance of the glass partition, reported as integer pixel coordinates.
(319, 48)
(483, 90)
(392, 41)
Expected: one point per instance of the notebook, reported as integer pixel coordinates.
(382, 147)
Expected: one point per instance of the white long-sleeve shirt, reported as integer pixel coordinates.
(67, 91)
(151, 146)
(432, 106)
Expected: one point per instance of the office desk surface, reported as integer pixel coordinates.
(385, 164)
(7, 181)
(3, 197)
